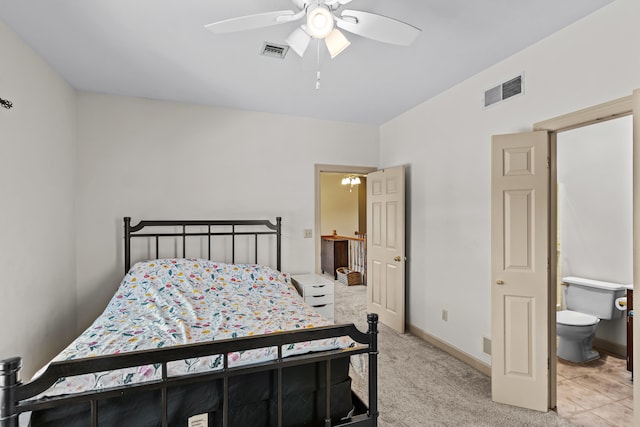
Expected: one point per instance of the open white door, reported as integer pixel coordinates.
(385, 246)
(519, 270)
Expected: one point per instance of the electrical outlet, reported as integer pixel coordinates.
(307, 233)
(445, 315)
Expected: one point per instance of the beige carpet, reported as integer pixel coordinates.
(420, 385)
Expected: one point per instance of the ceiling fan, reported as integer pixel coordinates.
(322, 22)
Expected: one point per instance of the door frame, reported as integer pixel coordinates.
(318, 169)
(603, 112)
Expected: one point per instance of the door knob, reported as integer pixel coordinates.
(397, 258)
(499, 282)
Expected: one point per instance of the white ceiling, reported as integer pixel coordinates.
(160, 49)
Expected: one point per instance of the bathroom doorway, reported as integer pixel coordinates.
(540, 145)
(594, 174)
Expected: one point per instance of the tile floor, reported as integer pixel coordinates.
(594, 394)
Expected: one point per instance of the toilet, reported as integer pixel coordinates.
(587, 301)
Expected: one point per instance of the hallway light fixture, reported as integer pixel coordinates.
(351, 180)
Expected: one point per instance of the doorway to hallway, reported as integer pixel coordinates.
(340, 208)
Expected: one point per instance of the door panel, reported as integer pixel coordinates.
(391, 275)
(392, 220)
(385, 246)
(518, 208)
(519, 346)
(519, 270)
(375, 233)
(374, 285)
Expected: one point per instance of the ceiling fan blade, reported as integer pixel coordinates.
(251, 22)
(378, 27)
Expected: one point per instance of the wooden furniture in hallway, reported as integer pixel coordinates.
(334, 253)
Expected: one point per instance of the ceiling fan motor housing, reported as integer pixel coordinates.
(320, 20)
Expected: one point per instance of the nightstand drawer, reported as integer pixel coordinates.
(316, 300)
(319, 289)
(325, 311)
(312, 284)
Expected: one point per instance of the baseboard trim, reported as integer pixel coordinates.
(458, 354)
(610, 347)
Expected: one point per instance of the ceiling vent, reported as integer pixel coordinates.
(274, 50)
(503, 91)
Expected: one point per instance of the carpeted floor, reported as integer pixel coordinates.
(421, 385)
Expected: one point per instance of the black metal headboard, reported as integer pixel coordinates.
(266, 227)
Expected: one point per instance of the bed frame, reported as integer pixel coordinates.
(17, 397)
(193, 228)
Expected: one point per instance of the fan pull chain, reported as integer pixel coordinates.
(318, 63)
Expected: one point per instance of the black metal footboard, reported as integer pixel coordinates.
(17, 397)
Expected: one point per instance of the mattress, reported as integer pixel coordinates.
(170, 302)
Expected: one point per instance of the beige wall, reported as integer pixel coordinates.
(37, 176)
(339, 206)
(151, 159)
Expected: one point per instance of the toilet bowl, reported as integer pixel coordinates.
(576, 331)
(587, 301)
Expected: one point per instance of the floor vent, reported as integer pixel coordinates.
(274, 50)
(486, 346)
(503, 91)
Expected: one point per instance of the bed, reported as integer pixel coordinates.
(191, 341)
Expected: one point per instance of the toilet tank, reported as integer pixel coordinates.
(593, 297)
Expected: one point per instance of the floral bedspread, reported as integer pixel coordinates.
(169, 302)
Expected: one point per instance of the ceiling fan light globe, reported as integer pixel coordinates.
(298, 41)
(319, 21)
(336, 42)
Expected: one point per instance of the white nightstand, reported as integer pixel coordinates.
(317, 292)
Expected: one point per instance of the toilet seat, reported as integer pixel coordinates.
(574, 318)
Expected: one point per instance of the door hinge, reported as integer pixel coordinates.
(548, 162)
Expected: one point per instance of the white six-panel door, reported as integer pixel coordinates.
(385, 246)
(519, 270)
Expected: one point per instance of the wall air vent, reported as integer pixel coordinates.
(504, 91)
(274, 50)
